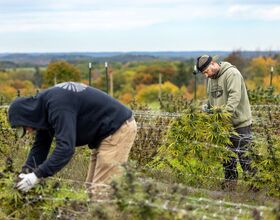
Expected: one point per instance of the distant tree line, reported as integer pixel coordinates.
(143, 80)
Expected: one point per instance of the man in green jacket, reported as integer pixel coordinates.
(226, 87)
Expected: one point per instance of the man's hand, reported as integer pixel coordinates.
(28, 181)
(205, 108)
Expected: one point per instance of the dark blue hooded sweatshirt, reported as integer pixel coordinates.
(72, 113)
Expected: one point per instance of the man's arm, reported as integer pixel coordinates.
(39, 150)
(234, 91)
(64, 125)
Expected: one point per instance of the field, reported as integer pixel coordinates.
(175, 171)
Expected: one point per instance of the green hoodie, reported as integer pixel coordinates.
(228, 89)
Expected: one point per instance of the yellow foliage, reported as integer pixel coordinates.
(126, 98)
(150, 93)
(251, 84)
(275, 82)
(4, 76)
(260, 66)
(8, 92)
(263, 61)
(9, 89)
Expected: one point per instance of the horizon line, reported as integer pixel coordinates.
(139, 51)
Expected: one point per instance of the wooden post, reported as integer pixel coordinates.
(195, 86)
(160, 83)
(111, 83)
(54, 79)
(89, 73)
(271, 75)
(107, 81)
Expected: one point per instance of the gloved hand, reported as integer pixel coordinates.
(205, 108)
(28, 181)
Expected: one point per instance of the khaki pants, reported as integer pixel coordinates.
(105, 162)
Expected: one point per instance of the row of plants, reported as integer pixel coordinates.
(262, 95)
(170, 148)
(132, 197)
(196, 148)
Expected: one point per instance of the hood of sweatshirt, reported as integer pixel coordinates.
(28, 112)
(224, 66)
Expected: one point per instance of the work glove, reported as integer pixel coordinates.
(28, 181)
(205, 108)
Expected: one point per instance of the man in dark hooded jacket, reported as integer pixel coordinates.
(75, 115)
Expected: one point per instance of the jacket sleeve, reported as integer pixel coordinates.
(234, 91)
(64, 125)
(39, 150)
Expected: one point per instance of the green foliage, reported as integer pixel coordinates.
(174, 103)
(266, 147)
(187, 148)
(37, 78)
(196, 145)
(44, 200)
(138, 200)
(61, 71)
(263, 96)
(150, 135)
(266, 120)
(183, 75)
(3, 118)
(142, 198)
(7, 136)
(266, 153)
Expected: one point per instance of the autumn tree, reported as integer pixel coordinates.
(150, 74)
(150, 93)
(144, 78)
(183, 74)
(236, 58)
(259, 67)
(37, 77)
(61, 71)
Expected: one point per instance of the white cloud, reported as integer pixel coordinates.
(135, 24)
(98, 15)
(73, 15)
(255, 12)
(77, 21)
(98, 19)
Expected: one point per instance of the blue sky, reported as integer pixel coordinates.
(143, 25)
